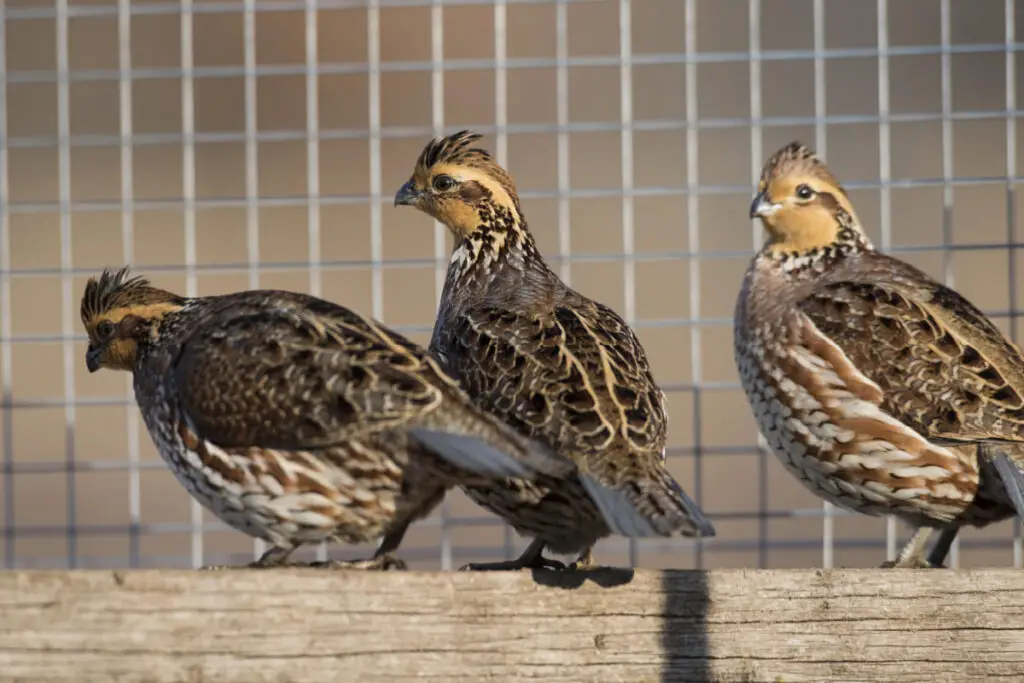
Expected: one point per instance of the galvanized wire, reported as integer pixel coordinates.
(565, 127)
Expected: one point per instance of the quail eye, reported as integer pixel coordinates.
(443, 183)
(105, 330)
(804, 192)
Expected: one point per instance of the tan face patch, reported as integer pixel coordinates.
(459, 207)
(119, 351)
(799, 224)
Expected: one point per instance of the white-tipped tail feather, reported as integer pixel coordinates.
(479, 457)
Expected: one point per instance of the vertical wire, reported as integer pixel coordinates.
(757, 233)
(1011, 210)
(313, 151)
(828, 522)
(628, 228)
(693, 246)
(437, 124)
(756, 110)
(188, 192)
(313, 169)
(501, 151)
(252, 177)
(66, 281)
(440, 268)
(374, 120)
(947, 142)
(252, 216)
(252, 190)
(562, 113)
(376, 229)
(884, 165)
(945, 31)
(252, 229)
(6, 330)
(124, 65)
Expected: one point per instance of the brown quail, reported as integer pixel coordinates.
(883, 391)
(555, 365)
(296, 420)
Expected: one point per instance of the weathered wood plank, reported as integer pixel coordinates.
(312, 625)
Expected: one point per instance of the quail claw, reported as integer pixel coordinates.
(514, 565)
(386, 562)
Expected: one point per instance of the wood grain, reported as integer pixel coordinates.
(294, 625)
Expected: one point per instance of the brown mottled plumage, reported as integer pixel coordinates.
(296, 420)
(555, 365)
(882, 390)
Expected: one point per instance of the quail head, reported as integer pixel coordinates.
(553, 364)
(882, 390)
(296, 420)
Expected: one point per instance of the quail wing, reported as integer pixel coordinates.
(293, 377)
(556, 378)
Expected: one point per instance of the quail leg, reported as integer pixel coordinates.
(275, 557)
(379, 562)
(532, 558)
(383, 560)
(937, 557)
(912, 556)
(585, 562)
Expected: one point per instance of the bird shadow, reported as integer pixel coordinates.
(605, 577)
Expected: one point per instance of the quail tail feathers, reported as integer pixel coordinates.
(1012, 479)
(473, 454)
(669, 508)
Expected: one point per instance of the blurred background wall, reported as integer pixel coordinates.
(220, 145)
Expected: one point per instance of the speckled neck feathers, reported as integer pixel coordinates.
(849, 240)
(500, 250)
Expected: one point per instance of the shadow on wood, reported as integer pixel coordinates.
(307, 625)
(684, 629)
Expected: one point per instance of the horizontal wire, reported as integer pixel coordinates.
(175, 9)
(427, 262)
(640, 59)
(90, 140)
(156, 528)
(13, 79)
(84, 465)
(428, 553)
(661, 323)
(17, 207)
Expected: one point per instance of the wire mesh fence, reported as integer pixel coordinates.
(223, 145)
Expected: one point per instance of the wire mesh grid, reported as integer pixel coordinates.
(222, 145)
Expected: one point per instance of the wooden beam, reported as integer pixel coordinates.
(321, 626)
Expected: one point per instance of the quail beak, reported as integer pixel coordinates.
(407, 195)
(92, 358)
(762, 207)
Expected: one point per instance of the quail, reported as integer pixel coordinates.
(555, 365)
(882, 390)
(296, 420)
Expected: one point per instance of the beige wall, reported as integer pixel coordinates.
(732, 471)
